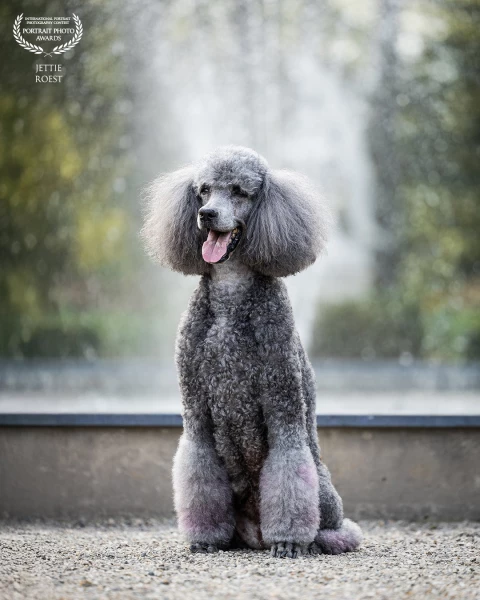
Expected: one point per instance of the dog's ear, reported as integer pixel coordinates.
(170, 230)
(287, 227)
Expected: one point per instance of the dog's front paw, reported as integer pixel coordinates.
(286, 550)
(202, 548)
(314, 549)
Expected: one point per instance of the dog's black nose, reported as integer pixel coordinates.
(208, 213)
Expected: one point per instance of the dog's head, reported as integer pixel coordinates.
(231, 201)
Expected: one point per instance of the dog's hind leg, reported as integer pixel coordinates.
(336, 534)
(346, 538)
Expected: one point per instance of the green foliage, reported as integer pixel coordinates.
(387, 328)
(48, 342)
(426, 154)
(88, 334)
(452, 334)
(69, 252)
(65, 225)
(368, 330)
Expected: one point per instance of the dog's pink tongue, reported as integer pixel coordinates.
(216, 246)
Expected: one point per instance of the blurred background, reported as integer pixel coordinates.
(377, 101)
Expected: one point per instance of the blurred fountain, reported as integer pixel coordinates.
(258, 74)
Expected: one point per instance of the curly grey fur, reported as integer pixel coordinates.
(337, 541)
(248, 469)
(287, 228)
(287, 224)
(170, 228)
(232, 165)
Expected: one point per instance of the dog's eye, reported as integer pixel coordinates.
(204, 190)
(237, 191)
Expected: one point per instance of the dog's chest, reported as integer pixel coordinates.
(228, 370)
(227, 346)
(229, 364)
(227, 355)
(230, 367)
(221, 335)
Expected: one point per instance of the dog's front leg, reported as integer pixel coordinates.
(202, 491)
(289, 488)
(289, 499)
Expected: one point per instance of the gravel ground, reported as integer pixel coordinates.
(150, 560)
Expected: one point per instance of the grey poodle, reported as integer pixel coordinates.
(247, 472)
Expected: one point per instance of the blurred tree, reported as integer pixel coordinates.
(63, 179)
(425, 142)
(69, 255)
(382, 130)
(438, 140)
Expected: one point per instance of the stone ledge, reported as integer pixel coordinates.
(412, 473)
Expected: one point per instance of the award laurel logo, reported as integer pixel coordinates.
(38, 49)
(54, 29)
